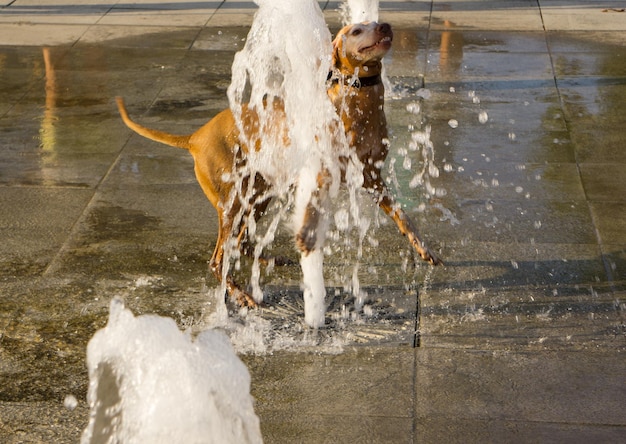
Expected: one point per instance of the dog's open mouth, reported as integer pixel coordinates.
(385, 41)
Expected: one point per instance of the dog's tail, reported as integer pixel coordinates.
(156, 135)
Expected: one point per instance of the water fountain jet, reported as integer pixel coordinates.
(287, 58)
(150, 382)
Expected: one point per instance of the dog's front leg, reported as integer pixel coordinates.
(311, 212)
(392, 209)
(307, 238)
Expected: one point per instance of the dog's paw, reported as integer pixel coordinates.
(425, 253)
(283, 261)
(279, 261)
(243, 299)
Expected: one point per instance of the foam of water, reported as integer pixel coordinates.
(151, 383)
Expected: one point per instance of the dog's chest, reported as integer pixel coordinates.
(363, 116)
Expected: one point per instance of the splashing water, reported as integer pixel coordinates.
(421, 142)
(283, 65)
(357, 11)
(149, 382)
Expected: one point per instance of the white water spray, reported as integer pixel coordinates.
(151, 383)
(285, 61)
(280, 76)
(357, 11)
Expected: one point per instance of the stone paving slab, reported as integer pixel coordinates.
(456, 395)
(520, 336)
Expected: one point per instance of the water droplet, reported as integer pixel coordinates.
(407, 163)
(342, 219)
(519, 189)
(413, 108)
(419, 137)
(512, 136)
(483, 117)
(453, 123)
(70, 402)
(452, 89)
(537, 224)
(416, 181)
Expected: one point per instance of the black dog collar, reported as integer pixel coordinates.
(358, 82)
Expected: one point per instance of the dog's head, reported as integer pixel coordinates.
(361, 47)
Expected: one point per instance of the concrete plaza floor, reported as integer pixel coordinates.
(521, 337)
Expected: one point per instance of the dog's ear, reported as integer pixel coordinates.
(338, 45)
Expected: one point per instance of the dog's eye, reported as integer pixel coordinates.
(355, 31)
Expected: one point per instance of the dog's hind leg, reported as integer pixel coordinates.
(216, 264)
(245, 207)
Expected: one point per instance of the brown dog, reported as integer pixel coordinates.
(357, 92)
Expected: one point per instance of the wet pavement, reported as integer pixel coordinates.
(519, 338)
